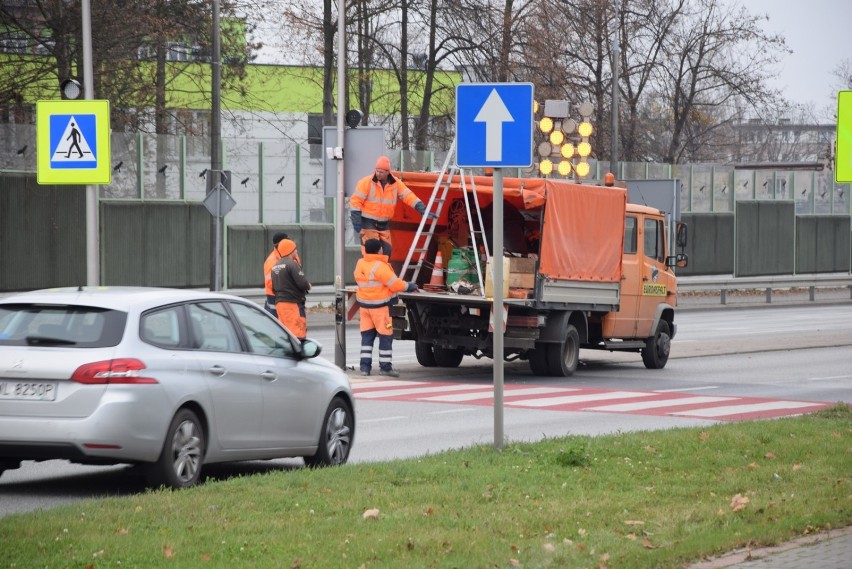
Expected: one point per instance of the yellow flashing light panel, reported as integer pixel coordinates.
(584, 149)
(557, 137)
(567, 150)
(564, 168)
(545, 124)
(585, 129)
(582, 169)
(545, 167)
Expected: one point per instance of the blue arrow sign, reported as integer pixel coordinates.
(494, 125)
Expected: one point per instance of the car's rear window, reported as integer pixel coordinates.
(60, 325)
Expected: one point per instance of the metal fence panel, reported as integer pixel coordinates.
(765, 237)
(822, 244)
(155, 244)
(42, 234)
(711, 244)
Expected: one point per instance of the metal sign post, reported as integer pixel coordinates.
(494, 125)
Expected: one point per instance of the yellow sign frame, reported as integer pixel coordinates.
(843, 151)
(96, 172)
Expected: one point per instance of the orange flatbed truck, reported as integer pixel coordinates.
(603, 276)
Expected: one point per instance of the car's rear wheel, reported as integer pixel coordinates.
(179, 465)
(335, 442)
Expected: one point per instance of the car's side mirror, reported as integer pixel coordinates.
(310, 349)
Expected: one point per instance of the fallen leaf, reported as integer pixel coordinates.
(797, 466)
(581, 546)
(769, 455)
(739, 502)
(168, 552)
(428, 512)
(97, 554)
(514, 548)
(371, 514)
(753, 466)
(515, 562)
(703, 435)
(650, 449)
(410, 544)
(647, 544)
(296, 564)
(549, 547)
(581, 532)
(634, 523)
(206, 557)
(122, 531)
(835, 435)
(631, 536)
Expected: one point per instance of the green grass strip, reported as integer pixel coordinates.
(643, 499)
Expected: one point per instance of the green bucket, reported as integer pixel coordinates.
(462, 267)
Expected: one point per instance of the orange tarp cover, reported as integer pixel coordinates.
(583, 230)
(583, 233)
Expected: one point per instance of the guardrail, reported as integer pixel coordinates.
(725, 283)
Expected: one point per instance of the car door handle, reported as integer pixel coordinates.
(217, 370)
(269, 375)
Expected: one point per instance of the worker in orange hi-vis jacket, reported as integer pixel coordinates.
(372, 205)
(378, 286)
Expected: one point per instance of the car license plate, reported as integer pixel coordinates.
(33, 391)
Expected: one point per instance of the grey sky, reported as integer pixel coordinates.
(819, 32)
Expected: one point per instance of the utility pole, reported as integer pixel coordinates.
(93, 259)
(215, 171)
(616, 47)
(340, 217)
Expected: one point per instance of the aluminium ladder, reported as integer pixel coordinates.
(423, 236)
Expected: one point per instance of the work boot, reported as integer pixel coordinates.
(389, 372)
(365, 371)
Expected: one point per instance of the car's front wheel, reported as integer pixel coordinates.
(335, 442)
(179, 465)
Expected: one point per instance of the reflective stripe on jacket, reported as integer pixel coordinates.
(378, 203)
(377, 283)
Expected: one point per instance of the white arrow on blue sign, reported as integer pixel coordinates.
(494, 125)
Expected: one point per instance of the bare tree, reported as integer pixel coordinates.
(716, 62)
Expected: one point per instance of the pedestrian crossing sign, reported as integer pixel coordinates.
(72, 139)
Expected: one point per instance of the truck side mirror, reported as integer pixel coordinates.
(681, 237)
(680, 260)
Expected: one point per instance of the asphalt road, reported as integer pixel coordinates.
(782, 353)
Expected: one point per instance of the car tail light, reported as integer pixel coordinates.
(124, 370)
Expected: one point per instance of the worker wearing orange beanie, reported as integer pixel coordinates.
(372, 205)
(290, 286)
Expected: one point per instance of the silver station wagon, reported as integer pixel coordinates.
(166, 379)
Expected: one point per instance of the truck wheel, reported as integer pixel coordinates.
(538, 360)
(425, 354)
(655, 354)
(448, 357)
(562, 358)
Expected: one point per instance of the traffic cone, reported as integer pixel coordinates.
(437, 280)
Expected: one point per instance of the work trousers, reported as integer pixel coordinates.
(376, 322)
(292, 315)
